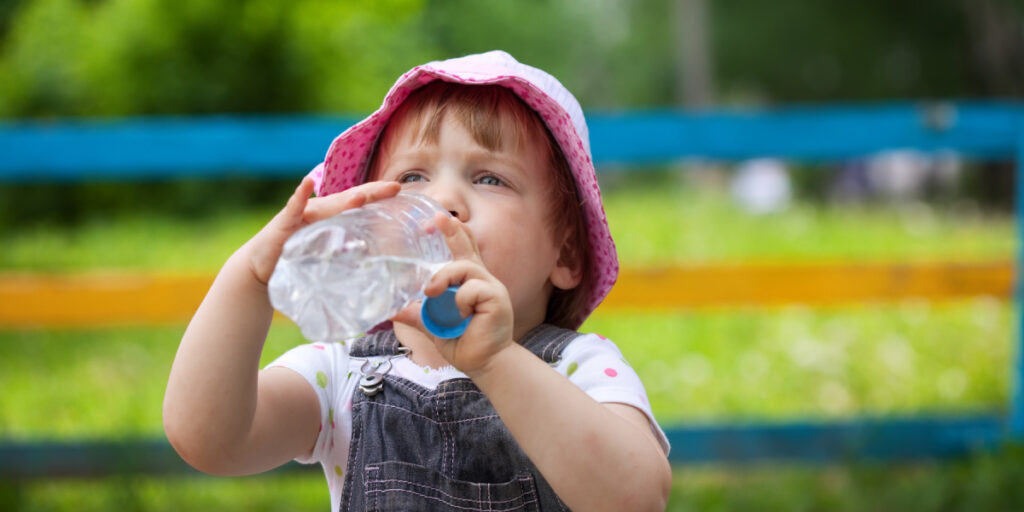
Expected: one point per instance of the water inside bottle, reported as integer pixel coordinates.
(329, 281)
(360, 297)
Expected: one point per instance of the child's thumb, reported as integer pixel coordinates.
(410, 315)
(291, 214)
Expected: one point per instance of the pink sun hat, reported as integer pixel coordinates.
(348, 157)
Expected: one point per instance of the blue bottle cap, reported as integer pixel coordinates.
(441, 317)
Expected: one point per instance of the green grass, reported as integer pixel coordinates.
(651, 224)
(987, 482)
(697, 367)
(132, 243)
(798, 362)
(657, 225)
(707, 365)
(96, 382)
(264, 493)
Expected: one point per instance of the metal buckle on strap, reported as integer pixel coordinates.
(373, 376)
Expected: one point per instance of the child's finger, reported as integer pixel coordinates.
(454, 274)
(476, 297)
(331, 205)
(468, 300)
(458, 237)
(291, 214)
(410, 315)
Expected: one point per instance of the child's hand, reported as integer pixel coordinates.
(265, 248)
(480, 294)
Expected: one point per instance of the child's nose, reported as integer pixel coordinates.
(451, 198)
(457, 210)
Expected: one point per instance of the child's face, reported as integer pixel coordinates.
(501, 195)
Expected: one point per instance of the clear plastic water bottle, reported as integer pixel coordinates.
(342, 276)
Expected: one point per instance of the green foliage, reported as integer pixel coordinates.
(793, 50)
(129, 57)
(123, 57)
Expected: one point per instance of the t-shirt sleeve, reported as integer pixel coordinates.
(324, 366)
(596, 365)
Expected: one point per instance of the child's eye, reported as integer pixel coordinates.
(489, 179)
(410, 177)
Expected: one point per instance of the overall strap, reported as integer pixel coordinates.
(547, 341)
(380, 343)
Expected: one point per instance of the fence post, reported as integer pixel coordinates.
(1016, 422)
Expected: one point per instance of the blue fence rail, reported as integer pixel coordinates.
(171, 147)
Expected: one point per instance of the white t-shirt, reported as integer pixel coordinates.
(590, 361)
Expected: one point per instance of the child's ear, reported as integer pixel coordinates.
(568, 271)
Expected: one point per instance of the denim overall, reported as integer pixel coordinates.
(446, 449)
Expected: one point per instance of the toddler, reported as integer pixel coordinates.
(521, 412)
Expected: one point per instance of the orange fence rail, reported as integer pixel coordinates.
(685, 287)
(98, 299)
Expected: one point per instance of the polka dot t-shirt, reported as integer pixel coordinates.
(592, 362)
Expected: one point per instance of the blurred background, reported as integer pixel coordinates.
(734, 362)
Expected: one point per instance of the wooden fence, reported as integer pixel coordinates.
(159, 148)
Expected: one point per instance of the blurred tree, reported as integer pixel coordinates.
(38, 69)
(7, 9)
(617, 54)
(693, 49)
(122, 57)
(352, 52)
(796, 50)
(996, 35)
(996, 32)
(610, 54)
(543, 33)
